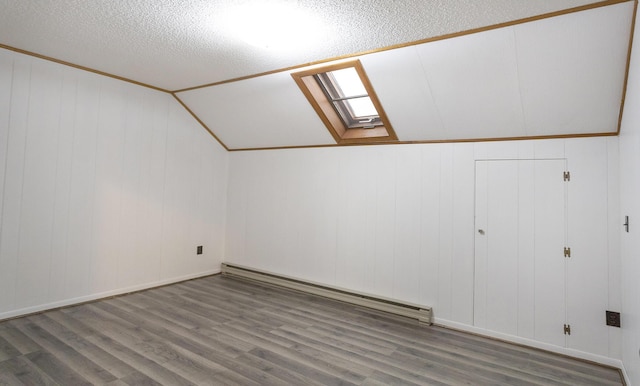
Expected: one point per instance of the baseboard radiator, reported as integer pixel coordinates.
(421, 313)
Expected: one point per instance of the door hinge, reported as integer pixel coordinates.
(567, 329)
(567, 252)
(567, 176)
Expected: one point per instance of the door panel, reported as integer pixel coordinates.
(519, 240)
(550, 264)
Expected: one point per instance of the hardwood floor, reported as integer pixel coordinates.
(223, 331)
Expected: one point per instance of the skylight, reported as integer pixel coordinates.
(350, 98)
(344, 99)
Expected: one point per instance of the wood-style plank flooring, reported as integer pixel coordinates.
(224, 331)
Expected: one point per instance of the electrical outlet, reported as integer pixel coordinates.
(199, 250)
(613, 319)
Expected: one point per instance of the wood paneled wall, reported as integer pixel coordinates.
(398, 221)
(105, 187)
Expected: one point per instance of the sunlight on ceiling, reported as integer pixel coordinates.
(280, 26)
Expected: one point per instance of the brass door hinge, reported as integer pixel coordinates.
(567, 252)
(567, 329)
(566, 176)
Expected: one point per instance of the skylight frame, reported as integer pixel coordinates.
(343, 129)
(342, 102)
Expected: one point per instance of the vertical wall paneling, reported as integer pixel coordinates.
(526, 248)
(220, 171)
(588, 278)
(6, 77)
(481, 244)
(106, 187)
(384, 162)
(39, 183)
(323, 251)
(446, 270)
(236, 210)
(135, 153)
(108, 191)
(183, 167)
(292, 165)
(614, 227)
(463, 227)
(431, 160)
(355, 212)
(13, 180)
(256, 212)
(6, 80)
(81, 195)
(204, 206)
(204, 231)
(61, 206)
(407, 225)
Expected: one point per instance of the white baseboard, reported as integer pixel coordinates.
(603, 360)
(627, 381)
(101, 295)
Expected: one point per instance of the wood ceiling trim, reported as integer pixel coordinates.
(626, 72)
(433, 141)
(422, 41)
(200, 121)
(83, 68)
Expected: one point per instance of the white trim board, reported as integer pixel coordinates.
(102, 295)
(599, 359)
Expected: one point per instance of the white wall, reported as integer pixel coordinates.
(105, 187)
(630, 206)
(398, 221)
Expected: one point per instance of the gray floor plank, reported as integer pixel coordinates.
(7, 350)
(56, 369)
(282, 373)
(143, 364)
(23, 372)
(225, 331)
(62, 352)
(83, 346)
(301, 368)
(18, 340)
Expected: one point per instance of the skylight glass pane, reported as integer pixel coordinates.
(362, 107)
(348, 81)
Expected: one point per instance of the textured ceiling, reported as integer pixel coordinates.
(177, 44)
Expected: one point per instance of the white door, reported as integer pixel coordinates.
(519, 243)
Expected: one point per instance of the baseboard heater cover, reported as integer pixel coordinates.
(421, 313)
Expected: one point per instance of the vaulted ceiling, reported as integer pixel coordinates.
(443, 70)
